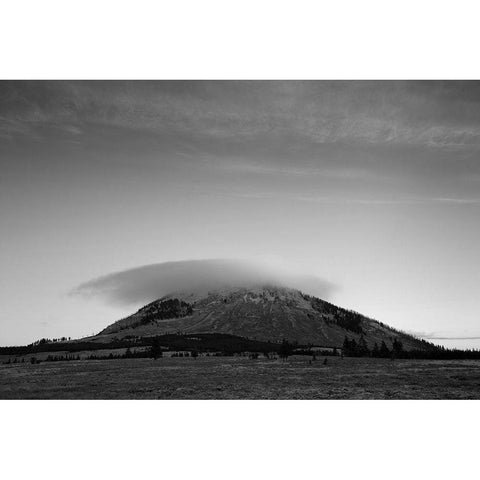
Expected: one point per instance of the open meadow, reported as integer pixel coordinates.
(242, 378)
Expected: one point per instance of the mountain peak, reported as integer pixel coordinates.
(266, 312)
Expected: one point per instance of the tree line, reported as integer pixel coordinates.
(226, 344)
(352, 348)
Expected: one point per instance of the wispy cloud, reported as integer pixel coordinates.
(412, 113)
(438, 337)
(442, 335)
(268, 168)
(459, 201)
(338, 200)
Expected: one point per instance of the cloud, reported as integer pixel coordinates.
(337, 200)
(458, 201)
(435, 114)
(146, 283)
(438, 337)
(441, 335)
(387, 201)
(245, 165)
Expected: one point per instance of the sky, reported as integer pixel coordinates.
(367, 192)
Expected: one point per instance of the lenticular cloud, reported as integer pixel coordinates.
(149, 282)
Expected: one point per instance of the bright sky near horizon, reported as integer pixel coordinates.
(373, 187)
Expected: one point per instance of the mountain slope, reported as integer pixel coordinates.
(266, 313)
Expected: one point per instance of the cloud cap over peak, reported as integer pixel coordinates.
(147, 283)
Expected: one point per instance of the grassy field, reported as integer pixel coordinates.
(242, 378)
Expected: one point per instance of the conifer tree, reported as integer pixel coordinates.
(156, 349)
(384, 351)
(362, 347)
(397, 348)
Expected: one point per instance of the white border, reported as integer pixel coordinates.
(261, 39)
(249, 39)
(239, 440)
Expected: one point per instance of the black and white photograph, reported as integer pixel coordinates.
(239, 240)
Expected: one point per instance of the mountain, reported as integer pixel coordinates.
(265, 313)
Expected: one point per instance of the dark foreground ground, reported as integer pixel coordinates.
(242, 378)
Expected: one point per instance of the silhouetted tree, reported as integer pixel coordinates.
(285, 350)
(397, 348)
(384, 351)
(156, 349)
(350, 347)
(362, 347)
